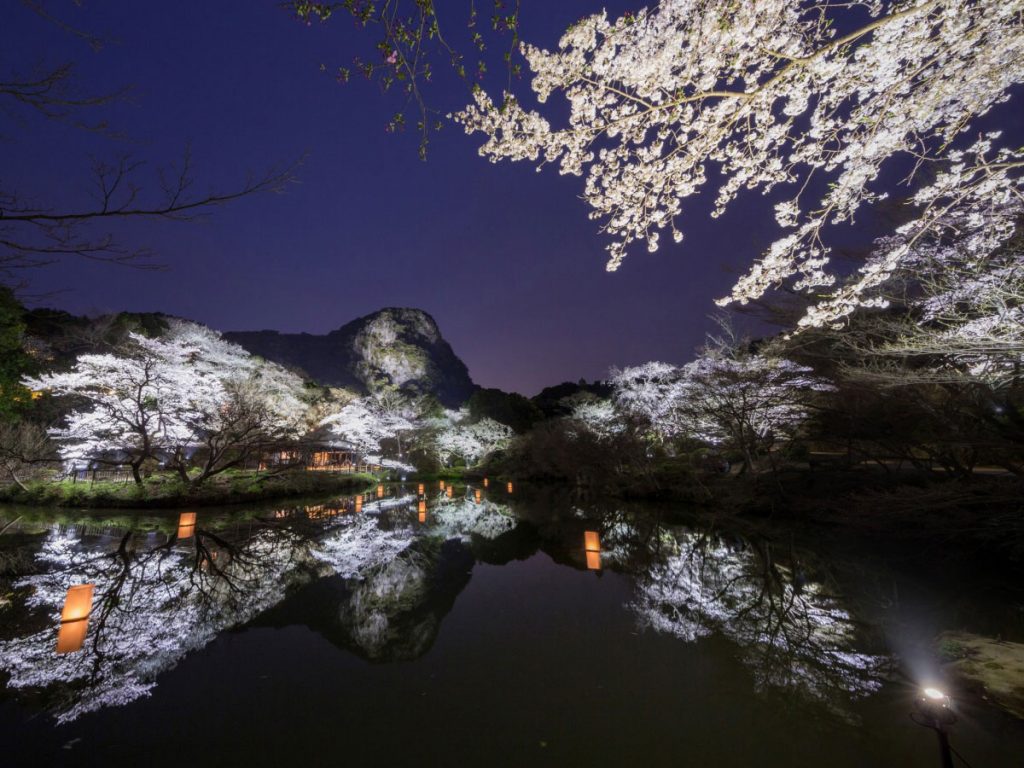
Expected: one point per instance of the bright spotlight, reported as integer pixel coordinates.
(936, 707)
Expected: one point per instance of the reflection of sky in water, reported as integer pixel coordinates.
(155, 603)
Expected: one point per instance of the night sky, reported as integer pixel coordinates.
(504, 258)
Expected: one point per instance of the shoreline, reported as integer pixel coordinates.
(161, 492)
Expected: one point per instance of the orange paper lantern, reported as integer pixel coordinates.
(450, 489)
(380, 491)
(77, 603)
(422, 490)
(71, 635)
(186, 525)
(74, 618)
(476, 495)
(592, 545)
(510, 487)
(485, 482)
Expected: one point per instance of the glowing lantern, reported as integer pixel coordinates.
(510, 487)
(380, 491)
(485, 482)
(186, 525)
(359, 503)
(442, 485)
(592, 546)
(450, 489)
(74, 618)
(422, 510)
(476, 495)
(422, 490)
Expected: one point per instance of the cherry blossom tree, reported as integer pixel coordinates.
(366, 423)
(728, 396)
(599, 416)
(166, 398)
(134, 401)
(458, 437)
(650, 394)
(817, 96)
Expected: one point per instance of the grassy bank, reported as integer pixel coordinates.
(167, 490)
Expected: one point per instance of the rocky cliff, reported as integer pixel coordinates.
(394, 346)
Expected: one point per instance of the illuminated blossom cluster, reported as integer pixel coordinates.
(964, 260)
(757, 95)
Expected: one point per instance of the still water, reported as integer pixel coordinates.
(477, 627)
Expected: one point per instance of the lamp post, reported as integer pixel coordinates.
(933, 706)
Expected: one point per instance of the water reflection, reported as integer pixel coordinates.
(791, 632)
(398, 560)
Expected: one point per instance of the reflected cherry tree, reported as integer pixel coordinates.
(464, 517)
(152, 606)
(159, 597)
(792, 632)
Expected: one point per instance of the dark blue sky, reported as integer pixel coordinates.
(504, 258)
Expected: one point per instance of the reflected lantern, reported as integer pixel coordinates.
(476, 495)
(186, 525)
(74, 618)
(592, 546)
(486, 482)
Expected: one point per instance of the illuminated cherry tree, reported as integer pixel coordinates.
(366, 422)
(814, 95)
(458, 437)
(727, 397)
(135, 400)
(651, 394)
(168, 397)
(600, 417)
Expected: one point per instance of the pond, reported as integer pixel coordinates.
(478, 626)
